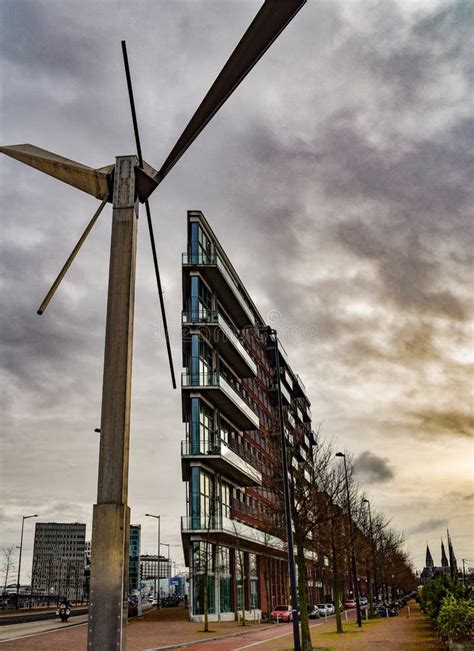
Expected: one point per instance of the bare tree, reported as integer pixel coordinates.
(8, 564)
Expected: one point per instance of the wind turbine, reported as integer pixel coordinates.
(126, 184)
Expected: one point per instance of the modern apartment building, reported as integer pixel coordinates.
(229, 400)
(58, 559)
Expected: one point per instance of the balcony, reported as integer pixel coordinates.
(270, 346)
(215, 273)
(299, 388)
(227, 530)
(285, 394)
(223, 396)
(223, 339)
(290, 419)
(219, 456)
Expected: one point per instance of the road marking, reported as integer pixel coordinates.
(51, 630)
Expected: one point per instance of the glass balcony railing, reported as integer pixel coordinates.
(229, 462)
(212, 317)
(234, 401)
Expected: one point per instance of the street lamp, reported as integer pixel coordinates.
(24, 517)
(353, 554)
(286, 489)
(157, 517)
(372, 542)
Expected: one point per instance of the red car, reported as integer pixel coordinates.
(350, 603)
(282, 614)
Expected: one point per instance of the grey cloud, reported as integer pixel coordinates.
(437, 423)
(426, 526)
(374, 468)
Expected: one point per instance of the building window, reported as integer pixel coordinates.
(202, 427)
(225, 579)
(225, 499)
(200, 299)
(201, 361)
(254, 591)
(199, 244)
(202, 496)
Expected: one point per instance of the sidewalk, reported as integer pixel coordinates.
(395, 633)
(169, 627)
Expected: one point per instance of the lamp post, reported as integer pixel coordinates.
(24, 517)
(286, 488)
(372, 543)
(157, 517)
(353, 554)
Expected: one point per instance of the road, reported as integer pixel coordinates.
(12, 632)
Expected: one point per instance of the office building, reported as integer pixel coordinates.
(229, 400)
(134, 558)
(58, 559)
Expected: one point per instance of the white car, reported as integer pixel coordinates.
(323, 609)
(330, 609)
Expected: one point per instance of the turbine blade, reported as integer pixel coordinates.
(70, 260)
(145, 184)
(160, 293)
(270, 21)
(82, 177)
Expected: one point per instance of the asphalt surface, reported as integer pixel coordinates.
(12, 632)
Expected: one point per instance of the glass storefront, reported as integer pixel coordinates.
(225, 583)
(202, 564)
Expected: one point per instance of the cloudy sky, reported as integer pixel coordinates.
(339, 180)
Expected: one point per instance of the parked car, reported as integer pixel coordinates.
(330, 609)
(363, 601)
(282, 614)
(313, 612)
(350, 603)
(323, 610)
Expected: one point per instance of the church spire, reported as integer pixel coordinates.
(452, 559)
(429, 558)
(444, 558)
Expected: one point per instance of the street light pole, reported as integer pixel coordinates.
(157, 590)
(353, 554)
(372, 541)
(289, 522)
(24, 517)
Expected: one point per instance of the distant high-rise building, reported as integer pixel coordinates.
(58, 559)
(134, 558)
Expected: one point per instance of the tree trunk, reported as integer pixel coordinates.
(303, 600)
(205, 604)
(371, 594)
(267, 587)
